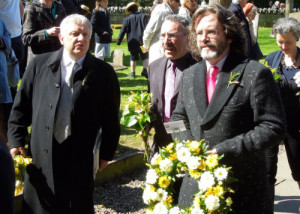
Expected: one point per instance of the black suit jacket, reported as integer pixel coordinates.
(239, 13)
(100, 21)
(240, 122)
(157, 72)
(95, 104)
(134, 25)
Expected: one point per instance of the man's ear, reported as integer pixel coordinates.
(61, 39)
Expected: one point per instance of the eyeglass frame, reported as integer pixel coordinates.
(171, 36)
(209, 33)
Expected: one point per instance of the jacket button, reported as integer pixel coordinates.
(50, 106)
(56, 85)
(46, 150)
(47, 128)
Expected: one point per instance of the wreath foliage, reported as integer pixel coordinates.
(171, 163)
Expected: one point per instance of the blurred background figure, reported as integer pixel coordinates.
(252, 17)
(155, 3)
(287, 63)
(101, 28)
(7, 173)
(237, 8)
(41, 22)
(270, 4)
(282, 6)
(152, 31)
(134, 26)
(276, 5)
(187, 8)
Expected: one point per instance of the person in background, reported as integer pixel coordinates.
(282, 6)
(250, 11)
(238, 121)
(101, 27)
(188, 8)
(286, 61)
(41, 22)
(276, 5)
(165, 74)
(237, 8)
(66, 96)
(7, 175)
(134, 26)
(11, 13)
(151, 34)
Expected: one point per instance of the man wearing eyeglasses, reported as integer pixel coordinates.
(233, 103)
(165, 74)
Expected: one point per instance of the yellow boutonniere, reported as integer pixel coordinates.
(85, 78)
(232, 77)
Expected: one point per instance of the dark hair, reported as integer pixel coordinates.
(232, 28)
(133, 9)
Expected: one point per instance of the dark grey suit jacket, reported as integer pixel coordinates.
(240, 122)
(157, 72)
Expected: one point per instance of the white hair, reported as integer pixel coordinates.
(77, 19)
(236, 1)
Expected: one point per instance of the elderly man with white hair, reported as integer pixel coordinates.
(66, 96)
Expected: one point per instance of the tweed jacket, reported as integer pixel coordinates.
(100, 21)
(241, 120)
(95, 104)
(152, 31)
(157, 72)
(134, 26)
(36, 20)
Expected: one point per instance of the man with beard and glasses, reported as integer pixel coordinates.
(165, 74)
(233, 103)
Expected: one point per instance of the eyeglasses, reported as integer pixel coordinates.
(172, 36)
(208, 33)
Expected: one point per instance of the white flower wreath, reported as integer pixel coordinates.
(165, 167)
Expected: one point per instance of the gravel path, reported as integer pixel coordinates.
(123, 195)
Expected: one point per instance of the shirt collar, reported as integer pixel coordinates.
(67, 60)
(219, 64)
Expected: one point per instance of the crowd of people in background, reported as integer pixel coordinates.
(188, 51)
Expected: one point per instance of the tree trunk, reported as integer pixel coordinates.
(224, 3)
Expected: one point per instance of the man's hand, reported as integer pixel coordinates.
(145, 49)
(102, 164)
(16, 151)
(54, 31)
(211, 152)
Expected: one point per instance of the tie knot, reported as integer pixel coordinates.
(213, 70)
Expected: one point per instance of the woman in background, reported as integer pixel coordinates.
(101, 27)
(287, 63)
(250, 11)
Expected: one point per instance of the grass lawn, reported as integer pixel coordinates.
(128, 142)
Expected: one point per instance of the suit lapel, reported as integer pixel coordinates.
(222, 91)
(200, 87)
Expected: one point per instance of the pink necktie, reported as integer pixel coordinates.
(169, 90)
(211, 81)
